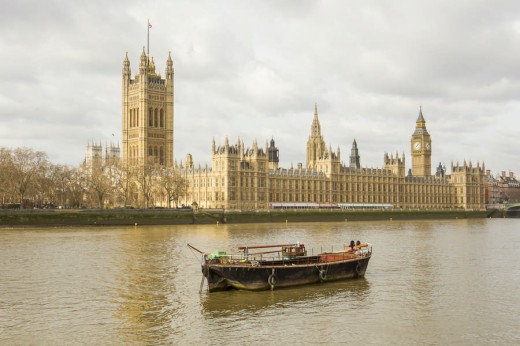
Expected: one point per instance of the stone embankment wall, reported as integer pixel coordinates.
(131, 217)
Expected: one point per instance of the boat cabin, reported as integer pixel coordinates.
(293, 251)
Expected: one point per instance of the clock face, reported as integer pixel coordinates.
(417, 145)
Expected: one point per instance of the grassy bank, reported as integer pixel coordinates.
(130, 217)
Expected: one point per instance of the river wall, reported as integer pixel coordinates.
(131, 217)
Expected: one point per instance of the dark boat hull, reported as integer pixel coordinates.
(266, 276)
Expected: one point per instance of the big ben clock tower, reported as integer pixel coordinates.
(421, 149)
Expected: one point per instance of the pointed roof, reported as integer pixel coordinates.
(420, 127)
(420, 118)
(316, 127)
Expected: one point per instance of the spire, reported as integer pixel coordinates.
(126, 67)
(420, 124)
(169, 66)
(316, 127)
(143, 63)
(420, 118)
(151, 68)
(354, 156)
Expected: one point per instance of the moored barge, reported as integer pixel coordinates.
(266, 267)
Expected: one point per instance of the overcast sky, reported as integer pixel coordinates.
(255, 69)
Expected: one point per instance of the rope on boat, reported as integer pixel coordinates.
(201, 259)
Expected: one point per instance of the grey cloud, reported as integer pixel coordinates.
(254, 70)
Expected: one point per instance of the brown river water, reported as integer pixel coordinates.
(446, 282)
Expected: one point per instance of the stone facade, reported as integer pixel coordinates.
(147, 115)
(249, 178)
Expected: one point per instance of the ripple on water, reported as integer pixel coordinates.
(428, 283)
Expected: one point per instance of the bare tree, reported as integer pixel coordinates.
(6, 172)
(76, 187)
(146, 178)
(98, 184)
(122, 178)
(172, 183)
(26, 163)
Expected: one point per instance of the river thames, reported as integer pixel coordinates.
(445, 282)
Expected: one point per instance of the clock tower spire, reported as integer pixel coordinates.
(421, 144)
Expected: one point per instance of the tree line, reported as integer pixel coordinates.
(29, 180)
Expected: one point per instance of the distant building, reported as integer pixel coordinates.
(95, 156)
(509, 187)
(492, 190)
(241, 177)
(250, 178)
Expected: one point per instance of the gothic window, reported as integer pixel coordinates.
(150, 151)
(137, 118)
(155, 152)
(161, 156)
(162, 118)
(155, 122)
(150, 117)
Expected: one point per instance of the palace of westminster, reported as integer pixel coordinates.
(249, 178)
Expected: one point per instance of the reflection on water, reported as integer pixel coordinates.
(427, 283)
(234, 302)
(146, 301)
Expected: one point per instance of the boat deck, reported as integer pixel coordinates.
(256, 261)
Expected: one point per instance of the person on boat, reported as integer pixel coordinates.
(352, 245)
(358, 247)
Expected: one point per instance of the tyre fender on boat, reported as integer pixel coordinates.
(359, 269)
(272, 280)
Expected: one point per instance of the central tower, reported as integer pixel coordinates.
(421, 143)
(315, 144)
(147, 114)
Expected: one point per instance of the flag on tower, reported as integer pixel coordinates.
(149, 24)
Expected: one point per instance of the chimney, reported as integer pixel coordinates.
(503, 173)
(511, 175)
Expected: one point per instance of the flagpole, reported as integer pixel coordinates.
(148, 40)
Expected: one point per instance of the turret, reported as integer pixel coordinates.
(151, 67)
(126, 68)
(169, 67)
(144, 62)
(354, 156)
(273, 155)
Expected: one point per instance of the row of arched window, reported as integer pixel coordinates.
(134, 117)
(133, 154)
(157, 153)
(155, 117)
